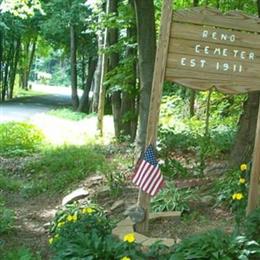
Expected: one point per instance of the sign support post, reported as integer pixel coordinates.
(254, 186)
(153, 117)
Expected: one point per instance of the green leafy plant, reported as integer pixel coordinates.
(18, 138)
(116, 182)
(216, 244)
(68, 114)
(251, 225)
(57, 168)
(21, 254)
(7, 217)
(85, 233)
(171, 198)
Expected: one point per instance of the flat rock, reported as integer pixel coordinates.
(75, 195)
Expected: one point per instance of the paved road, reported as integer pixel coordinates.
(25, 108)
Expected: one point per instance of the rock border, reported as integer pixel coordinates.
(126, 226)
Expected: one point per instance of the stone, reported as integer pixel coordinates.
(119, 204)
(121, 231)
(175, 215)
(126, 222)
(136, 213)
(165, 241)
(46, 225)
(75, 195)
(139, 238)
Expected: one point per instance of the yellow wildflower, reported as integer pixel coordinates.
(242, 180)
(125, 258)
(130, 238)
(237, 196)
(240, 196)
(88, 210)
(60, 224)
(51, 240)
(72, 218)
(243, 167)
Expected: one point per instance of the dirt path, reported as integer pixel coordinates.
(31, 215)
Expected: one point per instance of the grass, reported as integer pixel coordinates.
(58, 168)
(8, 183)
(20, 253)
(67, 113)
(19, 138)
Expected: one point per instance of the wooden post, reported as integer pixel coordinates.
(158, 80)
(254, 188)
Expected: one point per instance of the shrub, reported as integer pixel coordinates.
(7, 217)
(21, 254)
(216, 244)
(17, 138)
(252, 225)
(171, 198)
(85, 233)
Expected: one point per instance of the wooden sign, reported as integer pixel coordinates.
(207, 48)
(201, 48)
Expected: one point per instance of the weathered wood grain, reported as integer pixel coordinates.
(212, 17)
(187, 47)
(196, 80)
(249, 70)
(194, 32)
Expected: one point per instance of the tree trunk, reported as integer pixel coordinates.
(128, 105)
(14, 70)
(113, 62)
(102, 89)
(84, 101)
(6, 72)
(73, 64)
(97, 78)
(146, 39)
(244, 142)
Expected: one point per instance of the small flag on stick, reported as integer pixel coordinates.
(147, 174)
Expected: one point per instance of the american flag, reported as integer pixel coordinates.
(147, 174)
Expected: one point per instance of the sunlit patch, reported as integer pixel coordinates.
(61, 131)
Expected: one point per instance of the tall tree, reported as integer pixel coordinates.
(146, 38)
(244, 142)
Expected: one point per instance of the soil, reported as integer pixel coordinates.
(32, 214)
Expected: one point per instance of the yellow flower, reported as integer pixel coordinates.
(72, 218)
(240, 196)
(88, 210)
(50, 240)
(60, 224)
(242, 180)
(130, 238)
(243, 167)
(237, 196)
(125, 258)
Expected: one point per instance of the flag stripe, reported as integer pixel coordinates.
(151, 178)
(146, 175)
(137, 174)
(157, 186)
(155, 181)
(142, 173)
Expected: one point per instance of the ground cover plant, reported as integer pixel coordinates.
(18, 138)
(67, 113)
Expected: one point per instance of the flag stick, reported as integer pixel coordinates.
(153, 118)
